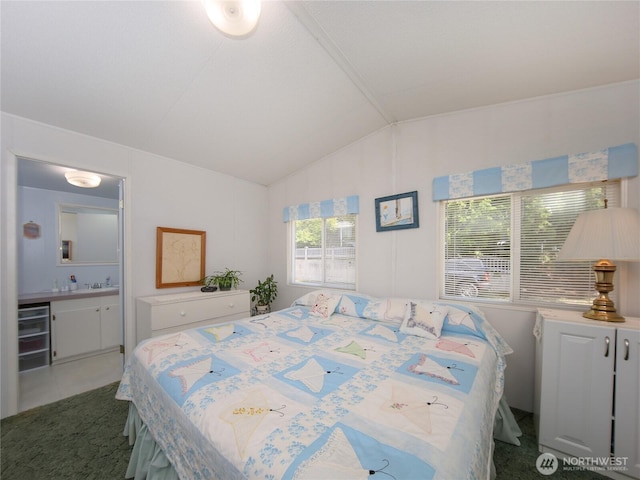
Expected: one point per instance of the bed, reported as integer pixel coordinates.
(337, 386)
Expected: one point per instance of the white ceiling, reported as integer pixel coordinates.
(312, 78)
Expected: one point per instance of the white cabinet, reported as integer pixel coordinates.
(85, 325)
(33, 336)
(110, 322)
(160, 314)
(588, 389)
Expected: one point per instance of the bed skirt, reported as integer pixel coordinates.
(148, 461)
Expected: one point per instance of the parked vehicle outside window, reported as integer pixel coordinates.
(466, 277)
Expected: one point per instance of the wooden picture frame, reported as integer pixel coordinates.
(180, 257)
(397, 212)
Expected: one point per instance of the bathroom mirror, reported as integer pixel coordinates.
(87, 235)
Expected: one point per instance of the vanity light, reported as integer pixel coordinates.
(233, 17)
(83, 179)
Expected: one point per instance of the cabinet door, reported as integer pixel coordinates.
(627, 413)
(110, 323)
(74, 332)
(577, 388)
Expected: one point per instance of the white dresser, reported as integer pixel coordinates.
(160, 314)
(587, 383)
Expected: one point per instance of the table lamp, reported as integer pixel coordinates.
(610, 234)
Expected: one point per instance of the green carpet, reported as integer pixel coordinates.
(519, 463)
(80, 438)
(76, 438)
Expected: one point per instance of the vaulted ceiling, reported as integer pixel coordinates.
(313, 77)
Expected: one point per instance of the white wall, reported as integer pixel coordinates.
(407, 156)
(38, 258)
(158, 192)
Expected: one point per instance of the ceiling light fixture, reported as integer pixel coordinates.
(83, 179)
(233, 17)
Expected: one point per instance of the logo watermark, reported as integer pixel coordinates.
(548, 463)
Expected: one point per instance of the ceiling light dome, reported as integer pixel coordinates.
(83, 179)
(233, 17)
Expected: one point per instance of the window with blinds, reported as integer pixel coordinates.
(505, 247)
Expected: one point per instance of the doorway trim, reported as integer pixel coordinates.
(9, 276)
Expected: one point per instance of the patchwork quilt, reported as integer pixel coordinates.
(334, 387)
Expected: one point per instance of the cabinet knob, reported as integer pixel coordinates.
(97, 309)
(231, 305)
(606, 348)
(182, 314)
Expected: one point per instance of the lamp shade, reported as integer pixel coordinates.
(611, 233)
(233, 17)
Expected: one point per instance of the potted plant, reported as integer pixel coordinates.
(264, 293)
(224, 280)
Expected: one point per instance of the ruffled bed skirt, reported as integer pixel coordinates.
(148, 461)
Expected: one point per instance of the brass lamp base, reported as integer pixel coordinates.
(603, 308)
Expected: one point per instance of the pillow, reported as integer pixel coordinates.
(324, 305)
(396, 308)
(309, 299)
(469, 320)
(354, 305)
(423, 319)
(386, 309)
(458, 316)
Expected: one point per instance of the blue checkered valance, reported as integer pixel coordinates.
(325, 208)
(606, 164)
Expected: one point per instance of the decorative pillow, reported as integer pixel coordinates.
(309, 299)
(354, 305)
(324, 305)
(470, 320)
(386, 309)
(423, 319)
(396, 308)
(458, 316)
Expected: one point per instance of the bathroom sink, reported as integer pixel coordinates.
(95, 290)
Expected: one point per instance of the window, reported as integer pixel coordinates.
(324, 252)
(505, 247)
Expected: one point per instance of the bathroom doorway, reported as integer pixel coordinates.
(55, 262)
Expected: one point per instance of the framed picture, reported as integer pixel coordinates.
(180, 257)
(397, 212)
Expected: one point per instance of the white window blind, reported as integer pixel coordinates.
(545, 221)
(505, 247)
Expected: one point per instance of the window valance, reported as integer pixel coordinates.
(322, 209)
(606, 164)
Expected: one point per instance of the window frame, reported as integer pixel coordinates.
(514, 297)
(291, 260)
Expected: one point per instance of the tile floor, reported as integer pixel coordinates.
(53, 383)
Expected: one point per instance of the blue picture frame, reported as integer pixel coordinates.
(397, 212)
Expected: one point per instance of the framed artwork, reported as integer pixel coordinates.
(397, 212)
(31, 230)
(180, 257)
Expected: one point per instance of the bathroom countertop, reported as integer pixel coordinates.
(40, 297)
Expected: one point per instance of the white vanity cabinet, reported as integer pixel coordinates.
(160, 314)
(84, 325)
(587, 384)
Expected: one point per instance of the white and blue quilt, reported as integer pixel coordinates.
(324, 391)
